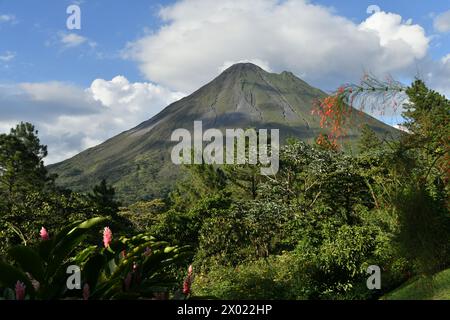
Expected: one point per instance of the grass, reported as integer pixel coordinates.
(423, 288)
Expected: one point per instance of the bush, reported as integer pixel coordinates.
(277, 277)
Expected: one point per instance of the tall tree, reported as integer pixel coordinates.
(103, 199)
(368, 140)
(24, 185)
(22, 169)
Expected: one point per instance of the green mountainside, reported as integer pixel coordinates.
(137, 162)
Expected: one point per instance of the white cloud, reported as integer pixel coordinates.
(72, 40)
(445, 59)
(199, 37)
(393, 34)
(7, 56)
(119, 93)
(438, 75)
(442, 22)
(71, 119)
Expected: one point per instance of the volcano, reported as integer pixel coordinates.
(137, 162)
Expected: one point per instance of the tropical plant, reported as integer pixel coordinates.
(127, 267)
(42, 269)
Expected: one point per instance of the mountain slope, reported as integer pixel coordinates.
(137, 162)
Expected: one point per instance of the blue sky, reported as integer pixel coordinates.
(33, 38)
(131, 58)
(111, 24)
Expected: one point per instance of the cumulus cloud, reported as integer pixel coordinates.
(199, 37)
(393, 34)
(442, 22)
(71, 119)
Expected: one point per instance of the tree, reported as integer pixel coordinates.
(103, 199)
(422, 200)
(27, 134)
(24, 183)
(368, 140)
(427, 114)
(21, 166)
(418, 190)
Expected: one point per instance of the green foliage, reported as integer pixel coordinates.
(247, 230)
(310, 232)
(436, 287)
(26, 189)
(133, 267)
(103, 199)
(21, 167)
(277, 277)
(46, 263)
(144, 214)
(184, 227)
(368, 140)
(199, 182)
(420, 191)
(427, 115)
(424, 229)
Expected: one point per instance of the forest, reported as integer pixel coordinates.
(228, 232)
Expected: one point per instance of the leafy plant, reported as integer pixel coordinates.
(43, 268)
(126, 268)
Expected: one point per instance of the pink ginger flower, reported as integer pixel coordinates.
(187, 285)
(20, 290)
(107, 237)
(86, 292)
(188, 281)
(44, 234)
